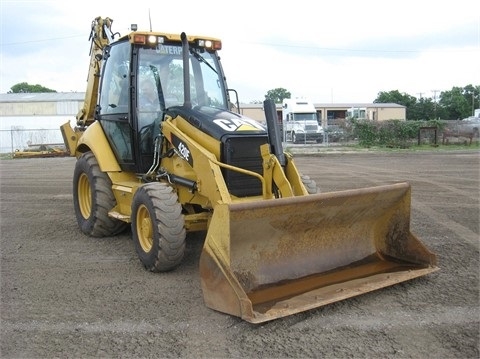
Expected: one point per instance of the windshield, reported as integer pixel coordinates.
(161, 72)
(305, 117)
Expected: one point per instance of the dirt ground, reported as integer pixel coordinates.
(64, 295)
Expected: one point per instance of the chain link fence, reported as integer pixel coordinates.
(19, 140)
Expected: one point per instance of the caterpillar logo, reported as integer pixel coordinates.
(169, 50)
(233, 125)
(182, 149)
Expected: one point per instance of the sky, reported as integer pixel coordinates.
(343, 51)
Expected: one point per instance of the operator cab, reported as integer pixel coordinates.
(141, 80)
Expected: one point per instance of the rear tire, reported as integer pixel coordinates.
(93, 198)
(158, 227)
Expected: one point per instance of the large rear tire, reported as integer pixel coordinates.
(93, 198)
(158, 227)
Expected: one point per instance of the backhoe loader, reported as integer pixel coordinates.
(190, 162)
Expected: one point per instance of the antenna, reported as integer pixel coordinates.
(150, 20)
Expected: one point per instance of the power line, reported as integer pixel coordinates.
(40, 40)
(327, 49)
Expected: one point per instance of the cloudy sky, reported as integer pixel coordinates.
(336, 51)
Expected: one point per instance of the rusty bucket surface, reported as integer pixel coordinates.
(268, 259)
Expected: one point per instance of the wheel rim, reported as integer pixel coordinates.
(84, 196)
(144, 228)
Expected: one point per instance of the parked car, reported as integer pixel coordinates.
(469, 125)
(335, 133)
(466, 128)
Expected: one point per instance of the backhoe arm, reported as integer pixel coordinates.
(100, 36)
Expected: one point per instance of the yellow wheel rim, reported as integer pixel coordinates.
(144, 228)
(84, 196)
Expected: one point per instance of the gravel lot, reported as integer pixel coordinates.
(64, 295)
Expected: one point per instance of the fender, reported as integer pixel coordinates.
(97, 142)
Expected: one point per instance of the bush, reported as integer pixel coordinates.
(365, 131)
(391, 133)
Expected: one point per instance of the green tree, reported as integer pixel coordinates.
(24, 87)
(278, 94)
(459, 102)
(423, 109)
(395, 96)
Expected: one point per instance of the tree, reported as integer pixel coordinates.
(459, 102)
(454, 104)
(423, 109)
(278, 94)
(396, 97)
(24, 87)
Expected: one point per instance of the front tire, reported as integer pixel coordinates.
(93, 198)
(158, 227)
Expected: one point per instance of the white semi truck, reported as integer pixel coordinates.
(300, 121)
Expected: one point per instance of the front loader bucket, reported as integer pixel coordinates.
(268, 259)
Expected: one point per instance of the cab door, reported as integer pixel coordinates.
(113, 109)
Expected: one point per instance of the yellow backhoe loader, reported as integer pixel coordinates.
(183, 160)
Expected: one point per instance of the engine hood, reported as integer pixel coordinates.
(218, 122)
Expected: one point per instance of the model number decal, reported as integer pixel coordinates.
(183, 149)
(234, 124)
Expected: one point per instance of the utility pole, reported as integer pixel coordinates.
(473, 103)
(435, 102)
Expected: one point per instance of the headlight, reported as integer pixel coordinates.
(209, 44)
